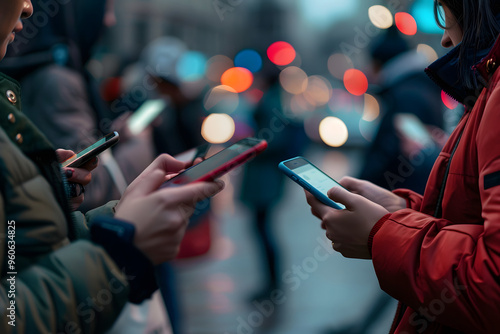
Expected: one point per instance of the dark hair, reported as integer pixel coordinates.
(477, 19)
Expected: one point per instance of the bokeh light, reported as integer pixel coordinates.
(293, 80)
(371, 111)
(318, 91)
(221, 99)
(341, 101)
(281, 53)
(216, 66)
(428, 52)
(355, 82)
(254, 95)
(299, 105)
(217, 128)
(426, 23)
(380, 16)
(238, 78)
(448, 101)
(249, 59)
(338, 64)
(406, 23)
(191, 66)
(333, 131)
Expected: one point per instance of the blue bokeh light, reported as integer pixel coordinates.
(423, 12)
(249, 59)
(191, 66)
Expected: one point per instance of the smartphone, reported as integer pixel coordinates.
(220, 163)
(412, 127)
(84, 156)
(311, 178)
(194, 153)
(146, 113)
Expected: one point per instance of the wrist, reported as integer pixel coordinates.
(116, 237)
(378, 225)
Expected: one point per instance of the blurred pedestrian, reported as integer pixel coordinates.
(262, 185)
(402, 88)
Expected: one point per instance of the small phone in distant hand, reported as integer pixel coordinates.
(220, 163)
(147, 112)
(311, 178)
(412, 127)
(194, 153)
(85, 155)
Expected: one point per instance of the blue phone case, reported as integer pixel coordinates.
(306, 184)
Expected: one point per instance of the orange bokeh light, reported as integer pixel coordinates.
(281, 53)
(238, 78)
(355, 82)
(406, 23)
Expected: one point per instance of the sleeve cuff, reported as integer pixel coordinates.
(116, 237)
(374, 231)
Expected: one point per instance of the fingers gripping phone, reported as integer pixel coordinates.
(311, 178)
(220, 163)
(84, 156)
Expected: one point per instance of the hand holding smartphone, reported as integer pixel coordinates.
(220, 163)
(84, 156)
(311, 178)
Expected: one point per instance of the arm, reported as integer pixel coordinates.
(456, 265)
(54, 295)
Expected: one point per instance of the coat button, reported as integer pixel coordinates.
(19, 138)
(11, 118)
(491, 65)
(11, 96)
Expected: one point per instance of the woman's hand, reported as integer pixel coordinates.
(350, 228)
(77, 178)
(390, 201)
(160, 215)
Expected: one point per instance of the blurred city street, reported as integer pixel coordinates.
(321, 289)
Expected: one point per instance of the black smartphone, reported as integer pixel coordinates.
(85, 155)
(194, 153)
(220, 163)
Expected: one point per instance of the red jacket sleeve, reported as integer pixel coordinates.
(449, 271)
(413, 200)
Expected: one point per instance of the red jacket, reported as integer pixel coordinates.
(446, 271)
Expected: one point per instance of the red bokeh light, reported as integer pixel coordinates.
(406, 23)
(281, 53)
(448, 101)
(355, 82)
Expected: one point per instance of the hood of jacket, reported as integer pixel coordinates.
(61, 32)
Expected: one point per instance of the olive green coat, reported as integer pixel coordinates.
(56, 278)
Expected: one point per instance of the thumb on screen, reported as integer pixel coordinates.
(341, 195)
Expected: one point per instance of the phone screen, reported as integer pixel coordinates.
(146, 113)
(221, 162)
(313, 176)
(90, 152)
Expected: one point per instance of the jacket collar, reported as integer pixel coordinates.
(445, 72)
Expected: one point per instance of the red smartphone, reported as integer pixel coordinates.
(82, 157)
(220, 163)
